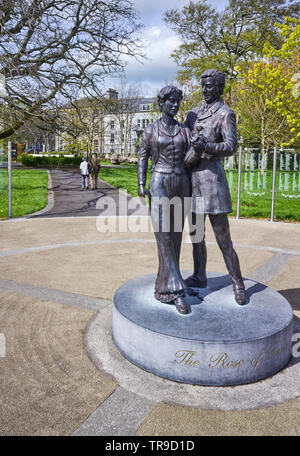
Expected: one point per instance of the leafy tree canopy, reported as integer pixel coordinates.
(221, 40)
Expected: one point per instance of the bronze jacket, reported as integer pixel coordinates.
(209, 181)
(149, 149)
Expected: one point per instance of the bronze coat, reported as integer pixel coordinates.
(209, 181)
(149, 149)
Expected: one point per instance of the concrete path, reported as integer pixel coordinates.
(71, 201)
(56, 274)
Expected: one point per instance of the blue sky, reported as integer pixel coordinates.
(159, 42)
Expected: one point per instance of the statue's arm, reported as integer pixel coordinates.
(144, 154)
(229, 134)
(190, 120)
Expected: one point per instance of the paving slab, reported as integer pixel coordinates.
(48, 384)
(172, 420)
(120, 415)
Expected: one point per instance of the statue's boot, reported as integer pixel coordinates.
(181, 305)
(194, 281)
(239, 291)
(233, 266)
(198, 279)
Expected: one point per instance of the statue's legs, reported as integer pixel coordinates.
(169, 284)
(221, 230)
(198, 279)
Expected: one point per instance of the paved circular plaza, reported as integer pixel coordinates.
(58, 276)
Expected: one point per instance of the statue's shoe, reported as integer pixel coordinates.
(181, 306)
(193, 281)
(240, 295)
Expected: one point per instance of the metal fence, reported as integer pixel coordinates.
(265, 185)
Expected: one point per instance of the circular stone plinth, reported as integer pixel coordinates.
(218, 343)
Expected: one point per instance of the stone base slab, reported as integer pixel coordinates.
(218, 343)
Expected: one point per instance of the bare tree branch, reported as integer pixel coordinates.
(50, 48)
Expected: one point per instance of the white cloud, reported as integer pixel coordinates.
(159, 68)
(152, 11)
(159, 41)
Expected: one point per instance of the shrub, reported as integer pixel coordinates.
(50, 162)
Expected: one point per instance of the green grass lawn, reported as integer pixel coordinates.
(29, 191)
(125, 179)
(255, 191)
(256, 194)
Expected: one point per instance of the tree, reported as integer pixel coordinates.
(192, 95)
(122, 111)
(222, 40)
(268, 103)
(259, 123)
(42, 130)
(287, 61)
(49, 48)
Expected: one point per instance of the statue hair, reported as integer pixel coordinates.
(217, 76)
(165, 92)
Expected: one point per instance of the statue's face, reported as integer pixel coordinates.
(171, 105)
(210, 90)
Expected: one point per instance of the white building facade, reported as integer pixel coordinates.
(114, 129)
(122, 130)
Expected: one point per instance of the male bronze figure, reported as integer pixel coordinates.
(213, 127)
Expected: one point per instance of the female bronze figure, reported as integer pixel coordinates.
(166, 142)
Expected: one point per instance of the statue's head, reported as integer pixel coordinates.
(213, 83)
(169, 93)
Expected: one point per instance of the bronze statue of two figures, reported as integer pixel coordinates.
(186, 167)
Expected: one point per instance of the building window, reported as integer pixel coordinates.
(139, 123)
(144, 123)
(96, 129)
(112, 124)
(122, 124)
(112, 151)
(112, 138)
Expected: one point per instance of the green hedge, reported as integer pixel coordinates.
(50, 162)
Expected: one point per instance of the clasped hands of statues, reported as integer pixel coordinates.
(197, 150)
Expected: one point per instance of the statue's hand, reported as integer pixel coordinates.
(199, 145)
(142, 191)
(205, 155)
(192, 157)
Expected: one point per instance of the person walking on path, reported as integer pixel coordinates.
(84, 171)
(94, 168)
